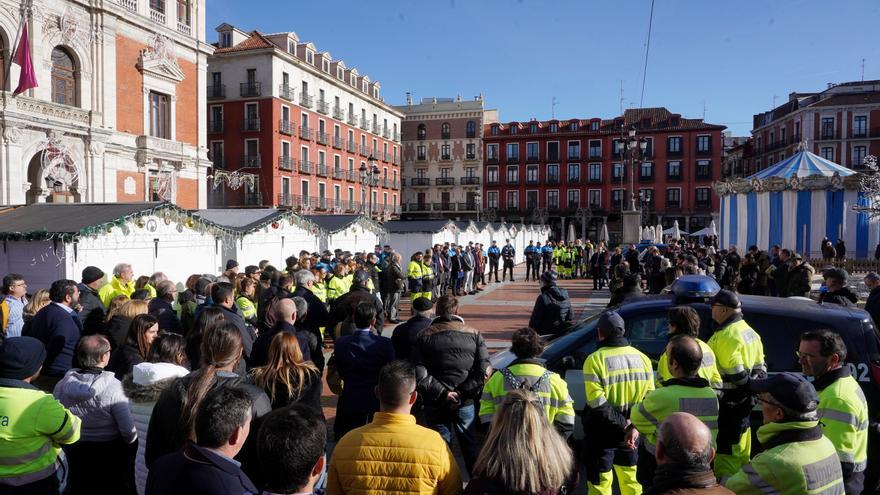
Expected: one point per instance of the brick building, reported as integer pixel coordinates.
(293, 127)
(841, 123)
(443, 156)
(572, 171)
(117, 113)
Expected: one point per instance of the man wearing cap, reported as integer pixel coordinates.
(843, 411)
(33, 424)
(552, 311)
(686, 392)
(508, 253)
(405, 334)
(799, 279)
(531, 252)
(797, 458)
(838, 292)
(617, 377)
(739, 355)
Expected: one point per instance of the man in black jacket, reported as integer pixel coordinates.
(222, 296)
(93, 312)
(838, 292)
(59, 328)
(552, 311)
(222, 425)
(343, 307)
(161, 307)
(405, 335)
(393, 280)
(872, 282)
(316, 316)
(451, 366)
(285, 316)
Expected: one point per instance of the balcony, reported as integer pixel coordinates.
(531, 181)
(445, 181)
(352, 120)
(445, 157)
(673, 177)
(338, 113)
(397, 137)
(285, 163)
(305, 167)
(703, 205)
(352, 176)
(218, 162)
(375, 128)
(364, 124)
(492, 160)
(364, 150)
(286, 127)
(596, 207)
(323, 107)
(470, 156)
(386, 133)
(829, 134)
(573, 205)
(395, 184)
(250, 125)
(130, 5)
(466, 207)
(420, 181)
(512, 181)
(305, 100)
(573, 157)
(704, 152)
(216, 91)
(321, 170)
(305, 133)
(470, 181)
(574, 180)
(253, 199)
(250, 89)
(673, 205)
(595, 154)
(492, 181)
(321, 138)
(596, 180)
(552, 180)
(418, 207)
(215, 126)
(794, 139)
(673, 153)
(351, 147)
(339, 174)
(157, 16)
(646, 178)
(532, 159)
(249, 161)
(285, 92)
(513, 159)
(553, 157)
(338, 142)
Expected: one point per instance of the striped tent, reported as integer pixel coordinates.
(796, 203)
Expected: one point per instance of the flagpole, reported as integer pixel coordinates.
(25, 8)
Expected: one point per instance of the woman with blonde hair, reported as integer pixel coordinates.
(287, 378)
(508, 463)
(119, 321)
(38, 302)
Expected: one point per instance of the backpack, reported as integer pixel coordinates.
(516, 384)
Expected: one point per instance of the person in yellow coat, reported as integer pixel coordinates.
(122, 283)
(414, 274)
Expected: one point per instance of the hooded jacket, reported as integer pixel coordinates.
(96, 397)
(552, 311)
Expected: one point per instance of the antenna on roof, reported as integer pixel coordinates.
(704, 110)
(774, 101)
(621, 97)
(863, 69)
(408, 98)
(553, 108)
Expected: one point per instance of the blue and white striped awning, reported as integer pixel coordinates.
(803, 164)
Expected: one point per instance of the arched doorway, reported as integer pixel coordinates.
(53, 177)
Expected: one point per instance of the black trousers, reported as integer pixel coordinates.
(493, 268)
(102, 467)
(508, 265)
(536, 267)
(530, 268)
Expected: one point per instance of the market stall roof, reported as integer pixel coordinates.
(803, 164)
(335, 223)
(244, 219)
(403, 226)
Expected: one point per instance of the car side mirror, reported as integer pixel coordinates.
(569, 363)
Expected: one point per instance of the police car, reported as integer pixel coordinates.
(780, 322)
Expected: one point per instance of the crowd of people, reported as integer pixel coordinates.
(122, 384)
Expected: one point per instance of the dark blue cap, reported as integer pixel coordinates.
(726, 298)
(792, 390)
(21, 357)
(611, 323)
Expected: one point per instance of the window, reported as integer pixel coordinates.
(858, 156)
(649, 149)
(183, 12)
(595, 172)
(217, 154)
(704, 169)
(673, 170)
(512, 175)
(595, 198)
(471, 151)
(594, 126)
(553, 150)
(828, 128)
(532, 151)
(420, 152)
(252, 152)
(595, 148)
(445, 152)
(860, 126)
(512, 151)
(617, 198)
(422, 132)
(673, 197)
(492, 152)
(494, 130)
(531, 199)
(574, 150)
(514, 128)
(797, 130)
(828, 153)
(532, 174)
(310, 57)
(702, 196)
(574, 172)
(554, 127)
(646, 170)
(513, 200)
(322, 158)
(351, 197)
(618, 171)
(704, 144)
(553, 199)
(225, 40)
(533, 128)
(646, 196)
(573, 126)
(574, 199)
(492, 199)
(160, 115)
(492, 175)
(445, 131)
(471, 129)
(617, 147)
(63, 77)
(782, 135)
(553, 173)
(157, 5)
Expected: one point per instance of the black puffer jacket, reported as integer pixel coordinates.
(344, 306)
(843, 297)
(450, 357)
(873, 305)
(552, 311)
(92, 312)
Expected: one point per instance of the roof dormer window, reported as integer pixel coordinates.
(291, 46)
(375, 92)
(310, 57)
(364, 86)
(225, 39)
(339, 74)
(325, 65)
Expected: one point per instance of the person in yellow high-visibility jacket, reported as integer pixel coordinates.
(122, 283)
(414, 275)
(684, 320)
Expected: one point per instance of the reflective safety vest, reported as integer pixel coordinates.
(33, 426)
(805, 464)
(414, 276)
(114, 288)
(247, 307)
(708, 370)
(843, 415)
(739, 353)
(347, 282)
(619, 375)
(319, 289)
(335, 288)
(551, 389)
(690, 395)
(427, 278)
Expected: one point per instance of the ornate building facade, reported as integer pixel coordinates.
(117, 115)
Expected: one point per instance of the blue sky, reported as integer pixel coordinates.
(728, 59)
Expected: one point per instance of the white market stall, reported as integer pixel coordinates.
(484, 234)
(467, 232)
(51, 241)
(796, 203)
(352, 233)
(265, 234)
(409, 236)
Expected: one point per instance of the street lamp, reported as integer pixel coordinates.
(369, 178)
(636, 148)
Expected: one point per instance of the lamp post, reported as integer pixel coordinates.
(479, 203)
(369, 178)
(631, 218)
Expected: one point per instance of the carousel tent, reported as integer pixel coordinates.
(353, 233)
(796, 203)
(52, 241)
(266, 234)
(409, 236)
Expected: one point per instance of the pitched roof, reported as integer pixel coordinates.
(240, 218)
(66, 218)
(332, 223)
(256, 41)
(849, 99)
(403, 226)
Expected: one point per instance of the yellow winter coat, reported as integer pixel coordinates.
(392, 455)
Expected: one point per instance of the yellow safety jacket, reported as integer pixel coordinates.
(33, 426)
(843, 415)
(690, 395)
(739, 353)
(531, 375)
(319, 289)
(804, 463)
(617, 374)
(427, 278)
(708, 370)
(336, 287)
(114, 288)
(247, 307)
(414, 275)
